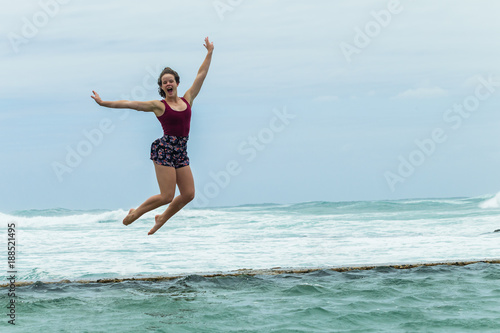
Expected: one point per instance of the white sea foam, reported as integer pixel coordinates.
(71, 244)
(70, 218)
(491, 203)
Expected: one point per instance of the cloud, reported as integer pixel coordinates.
(326, 98)
(422, 93)
(471, 82)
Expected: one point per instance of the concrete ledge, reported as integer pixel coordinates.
(254, 272)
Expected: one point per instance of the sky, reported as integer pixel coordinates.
(304, 101)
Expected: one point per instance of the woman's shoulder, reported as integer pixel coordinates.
(188, 103)
(161, 106)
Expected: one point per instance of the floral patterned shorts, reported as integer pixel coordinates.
(170, 151)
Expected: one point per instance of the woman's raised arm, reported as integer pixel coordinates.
(192, 92)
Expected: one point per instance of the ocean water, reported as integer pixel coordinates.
(56, 249)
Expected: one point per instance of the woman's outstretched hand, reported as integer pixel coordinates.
(209, 46)
(97, 98)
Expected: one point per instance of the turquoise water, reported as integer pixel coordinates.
(425, 299)
(58, 244)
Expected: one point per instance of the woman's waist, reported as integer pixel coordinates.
(174, 139)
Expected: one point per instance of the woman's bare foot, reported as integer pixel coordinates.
(159, 222)
(130, 217)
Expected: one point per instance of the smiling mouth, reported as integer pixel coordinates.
(169, 90)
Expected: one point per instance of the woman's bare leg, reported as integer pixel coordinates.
(166, 177)
(185, 183)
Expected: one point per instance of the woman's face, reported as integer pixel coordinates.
(168, 85)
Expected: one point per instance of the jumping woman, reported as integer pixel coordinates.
(169, 153)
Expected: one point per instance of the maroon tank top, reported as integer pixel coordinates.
(175, 123)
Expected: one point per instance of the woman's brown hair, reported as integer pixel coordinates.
(167, 70)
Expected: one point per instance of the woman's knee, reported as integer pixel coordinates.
(188, 196)
(166, 198)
